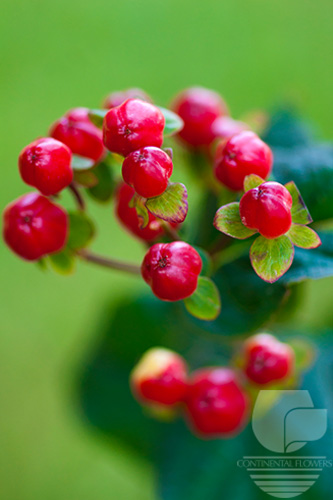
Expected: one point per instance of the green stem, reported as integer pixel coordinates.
(77, 196)
(109, 263)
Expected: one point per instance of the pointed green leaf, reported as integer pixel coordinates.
(205, 302)
(299, 212)
(62, 262)
(81, 230)
(170, 206)
(96, 116)
(303, 236)
(271, 258)
(252, 181)
(104, 188)
(227, 220)
(137, 202)
(85, 178)
(173, 122)
(81, 163)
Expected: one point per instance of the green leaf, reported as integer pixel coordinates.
(104, 188)
(303, 236)
(173, 122)
(81, 163)
(252, 181)
(85, 178)
(271, 258)
(170, 206)
(304, 353)
(299, 212)
(205, 302)
(96, 116)
(228, 221)
(81, 230)
(138, 203)
(62, 262)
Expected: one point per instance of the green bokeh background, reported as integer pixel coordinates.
(67, 53)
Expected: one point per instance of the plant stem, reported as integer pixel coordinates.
(109, 263)
(77, 196)
(170, 231)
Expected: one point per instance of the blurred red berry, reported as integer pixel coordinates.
(79, 134)
(33, 226)
(225, 127)
(217, 405)
(243, 154)
(148, 170)
(159, 377)
(267, 360)
(117, 98)
(46, 165)
(172, 270)
(198, 107)
(267, 209)
(133, 125)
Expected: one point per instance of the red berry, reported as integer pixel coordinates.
(34, 226)
(267, 209)
(172, 270)
(267, 359)
(243, 154)
(46, 165)
(116, 98)
(225, 127)
(148, 170)
(133, 125)
(217, 406)
(129, 218)
(79, 134)
(159, 377)
(199, 108)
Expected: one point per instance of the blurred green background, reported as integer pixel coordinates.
(58, 55)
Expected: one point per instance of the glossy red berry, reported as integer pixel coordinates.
(129, 218)
(117, 98)
(133, 125)
(79, 134)
(198, 107)
(216, 404)
(267, 360)
(33, 226)
(225, 127)
(148, 170)
(159, 377)
(46, 165)
(243, 154)
(172, 270)
(267, 209)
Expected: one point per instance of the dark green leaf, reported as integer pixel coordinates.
(205, 302)
(299, 212)
(170, 206)
(287, 130)
(104, 188)
(252, 181)
(271, 258)
(85, 178)
(303, 236)
(81, 163)
(228, 221)
(81, 230)
(62, 262)
(173, 122)
(96, 116)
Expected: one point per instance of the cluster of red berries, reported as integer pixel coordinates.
(215, 401)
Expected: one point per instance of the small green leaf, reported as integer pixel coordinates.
(303, 236)
(271, 258)
(173, 122)
(103, 189)
(138, 203)
(170, 206)
(205, 302)
(81, 230)
(299, 212)
(227, 220)
(62, 262)
(85, 178)
(81, 163)
(252, 181)
(96, 116)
